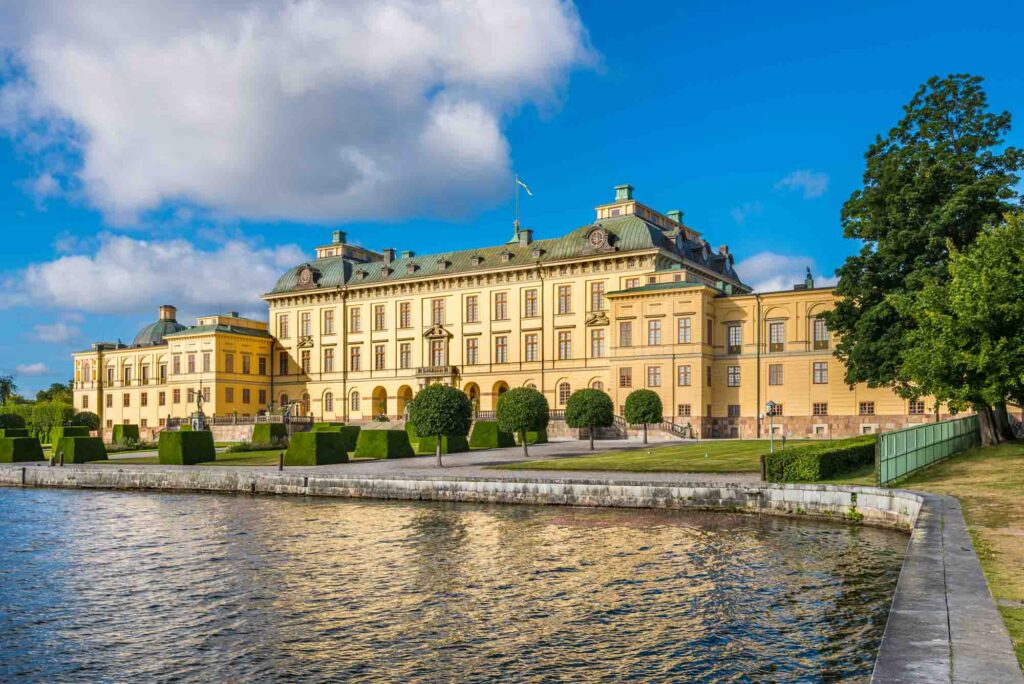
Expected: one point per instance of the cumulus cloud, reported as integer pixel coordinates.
(741, 213)
(811, 183)
(307, 110)
(55, 332)
(770, 271)
(127, 275)
(38, 368)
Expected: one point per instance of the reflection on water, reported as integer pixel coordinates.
(116, 586)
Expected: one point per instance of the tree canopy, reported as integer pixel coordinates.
(441, 410)
(642, 407)
(523, 410)
(589, 408)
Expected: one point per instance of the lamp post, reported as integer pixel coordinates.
(770, 410)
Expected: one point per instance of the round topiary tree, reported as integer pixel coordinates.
(643, 407)
(589, 408)
(523, 409)
(86, 419)
(441, 410)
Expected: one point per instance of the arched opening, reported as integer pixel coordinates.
(354, 401)
(499, 388)
(404, 397)
(328, 403)
(472, 391)
(304, 405)
(598, 385)
(380, 401)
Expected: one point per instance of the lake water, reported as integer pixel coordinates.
(149, 587)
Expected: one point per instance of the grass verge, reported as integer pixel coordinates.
(732, 456)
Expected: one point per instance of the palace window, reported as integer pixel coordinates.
(144, 399)
(598, 385)
(472, 351)
(597, 343)
(684, 411)
(916, 408)
(191, 363)
(246, 396)
(735, 339)
(329, 322)
(625, 334)
(472, 309)
(163, 373)
(404, 315)
(85, 401)
(625, 377)
(161, 398)
(733, 376)
(530, 304)
(777, 411)
(501, 349)
(707, 374)
(653, 333)
(564, 392)
(405, 355)
(207, 361)
(329, 360)
(127, 375)
(684, 376)
(206, 394)
(126, 400)
(654, 376)
(820, 334)
(229, 363)
(378, 317)
(564, 299)
(733, 411)
(329, 402)
(684, 330)
(437, 353)
(306, 324)
(262, 394)
(564, 344)
(282, 326)
(631, 283)
(145, 375)
(501, 306)
(776, 336)
(110, 401)
(284, 401)
(355, 401)
(110, 373)
(866, 408)
(775, 374)
(229, 394)
(819, 408)
(437, 311)
(379, 356)
(597, 296)
(304, 359)
(246, 364)
(531, 347)
(282, 363)
(820, 372)
(355, 320)
(176, 396)
(355, 359)
(262, 365)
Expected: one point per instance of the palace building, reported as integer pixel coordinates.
(633, 299)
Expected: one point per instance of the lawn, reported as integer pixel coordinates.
(989, 482)
(719, 456)
(240, 458)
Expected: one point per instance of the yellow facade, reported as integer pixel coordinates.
(635, 299)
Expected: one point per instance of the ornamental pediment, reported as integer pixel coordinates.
(436, 332)
(307, 278)
(596, 318)
(305, 342)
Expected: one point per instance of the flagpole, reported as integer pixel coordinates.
(516, 224)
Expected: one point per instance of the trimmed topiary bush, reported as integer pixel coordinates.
(441, 410)
(61, 431)
(383, 444)
(86, 419)
(643, 407)
(523, 410)
(11, 420)
(349, 437)
(125, 434)
(820, 460)
(14, 432)
(330, 427)
(186, 448)
(81, 449)
(450, 444)
(269, 433)
(315, 448)
(20, 449)
(486, 435)
(589, 408)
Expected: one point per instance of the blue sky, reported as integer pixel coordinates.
(129, 177)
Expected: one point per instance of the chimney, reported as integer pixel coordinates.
(233, 314)
(525, 236)
(623, 192)
(338, 237)
(389, 255)
(168, 313)
(408, 254)
(675, 215)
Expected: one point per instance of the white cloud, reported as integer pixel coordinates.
(812, 183)
(741, 213)
(310, 109)
(39, 368)
(127, 275)
(55, 332)
(770, 271)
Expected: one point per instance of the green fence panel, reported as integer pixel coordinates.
(906, 451)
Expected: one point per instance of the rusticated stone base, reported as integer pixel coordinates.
(804, 427)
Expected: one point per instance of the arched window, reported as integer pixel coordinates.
(87, 372)
(564, 390)
(598, 385)
(329, 402)
(355, 401)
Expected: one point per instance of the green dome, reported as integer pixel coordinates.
(153, 334)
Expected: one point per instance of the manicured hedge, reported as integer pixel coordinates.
(60, 432)
(269, 433)
(186, 448)
(349, 437)
(538, 437)
(14, 432)
(125, 434)
(410, 430)
(383, 444)
(81, 449)
(20, 449)
(820, 460)
(329, 427)
(450, 444)
(315, 448)
(486, 435)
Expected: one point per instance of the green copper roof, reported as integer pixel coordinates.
(234, 330)
(654, 287)
(154, 333)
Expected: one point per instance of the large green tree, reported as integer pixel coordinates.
(440, 410)
(931, 184)
(522, 410)
(967, 346)
(643, 407)
(590, 409)
(56, 392)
